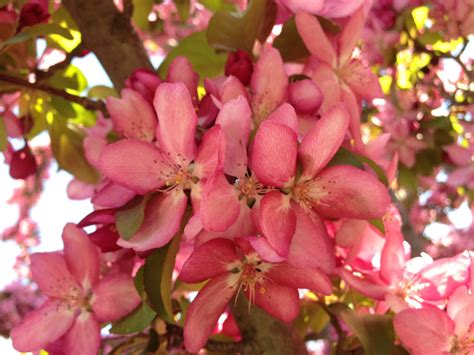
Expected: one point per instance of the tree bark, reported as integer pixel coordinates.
(110, 35)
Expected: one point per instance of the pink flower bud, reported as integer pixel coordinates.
(33, 13)
(208, 111)
(240, 65)
(145, 82)
(23, 163)
(305, 96)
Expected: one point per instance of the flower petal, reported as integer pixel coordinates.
(279, 301)
(353, 106)
(205, 310)
(326, 79)
(181, 71)
(366, 287)
(84, 336)
(211, 154)
(209, 260)
(81, 255)
(119, 162)
(311, 6)
(340, 8)
(350, 35)
(42, 326)
(112, 195)
(392, 260)
(323, 140)
(274, 154)
(114, 297)
(177, 122)
(163, 216)
(285, 114)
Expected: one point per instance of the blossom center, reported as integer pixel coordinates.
(248, 187)
(309, 193)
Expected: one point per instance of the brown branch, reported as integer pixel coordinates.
(83, 101)
(44, 74)
(341, 334)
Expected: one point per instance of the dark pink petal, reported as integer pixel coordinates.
(311, 246)
(205, 310)
(220, 206)
(279, 301)
(211, 154)
(366, 287)
(106, 238)
(393, 257)
(42, 326)
(50, 272)
(163, 216)
(112, 195)
(350, 35)
(305, 96)
(277, 221)
(181, 71)
(235, 119)
(264, 249)
(352, 104)
(315, 39)
(209, 260)
(114, 297)
(132, 116)
(424, 331)
(82, 256)
(269, 83)
(177, 122)
(290, 276)
(104, 216)
(349, 192)
(84, 335)
(274, 154)
(285, 114)
(119, 162)
(323, 140)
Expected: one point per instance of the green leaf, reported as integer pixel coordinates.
(378, 224)
(289, 42)
(375, 167)
(183, 7)
(41, 29)
(218, 5)
(129, 218)
(202, 57)
(62, 18)
(157, 276)
(231, 31)
(141, 10)
(3, 135)
(329, 25)
(135, 321)
(101, 92)
(70, 78)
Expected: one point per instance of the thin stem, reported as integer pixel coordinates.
(341, 334)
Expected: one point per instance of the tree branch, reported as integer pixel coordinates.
(83, 101)
(110, 35)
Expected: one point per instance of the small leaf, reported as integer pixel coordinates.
(329, 25)
(289, 42)
(345, 157)
(102, 92)
(62, 18)
(134, 322)
(218, 5)
(378, 224)
(141, 10)
(375, 167)
(70, 78)
(129, 218)
(183, 7)
(3, 135)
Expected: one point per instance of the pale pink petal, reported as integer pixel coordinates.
(163, 216)
(326, 79)
(82, 256)
(323, 140)
(366, 287)
(235, 119)
(205, 310)
(340, 8)
(50, 272)
(177, 122)
(286, 115)
(181, 71)
(112, 195)
(350, 35)
(264, 249)
(311, 246)
(350, 232)
(461, 310)
(209, 260)
(42, 326)
(132, 115)
(277, 221)
(305, 96)
(269, 83)
(290, 276)
(133, 164)
(349, 192)
(93, 148)
(211, 153)
(114, 297)
(393, 257)
(279, 301)
(424, 331)
(362, 81)
(78, 190)
(311, 6)
(274, 154)
(220, 206)
(353, 106)
(231, 89)
(315, 39)
(84, 336)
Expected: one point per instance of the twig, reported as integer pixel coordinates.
(83, 101)
(341, 334)
(128, 9)
(44, 74)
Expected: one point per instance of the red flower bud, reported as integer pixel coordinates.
(23, 163)
(32, 13)
(145, 82)
(240, 65)
(208, 111)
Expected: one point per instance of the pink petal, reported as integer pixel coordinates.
(231, 89)
(366, 287)
(286, 115)
(235, 120)
(277, 221)
(42, 326)
(104, 216)
(274, 154)
(84, 336)
(340, 8)
(205, 310)
(350, 35)
(114, 297)
(211, 154)
(220, 206)
(461, 310)
(323, 140)
(293, 277)
(311, 6)
(311, 246)
(50, 272)
(279, 301)
(120, 164)
(424, 331)
(177, 122)
(82, 256)
(326, 79)
(132, 116)
(163, 216)
(112, 195)
(315, 39)
(209, 260)
(305, 96)
(264, 249)
(181, 71)
(78, 190)
(353, 106)
(350, 192)
(362, 81)
(269, 83)
(459, 155)
(393, 257)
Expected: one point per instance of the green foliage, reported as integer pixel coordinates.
(70, 78)
(183, 7)
(218, 5)
(129, 218)
(33, 32)
(102, 92)
(61, 17)
(378, 224)
(141, 10)
(3, 135)
(289, 42)
(135, 322)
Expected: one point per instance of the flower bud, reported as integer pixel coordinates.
(305, 96)
(33, 13)
(207, 112)
(22, 163)
(145, 82)
(239, 64)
